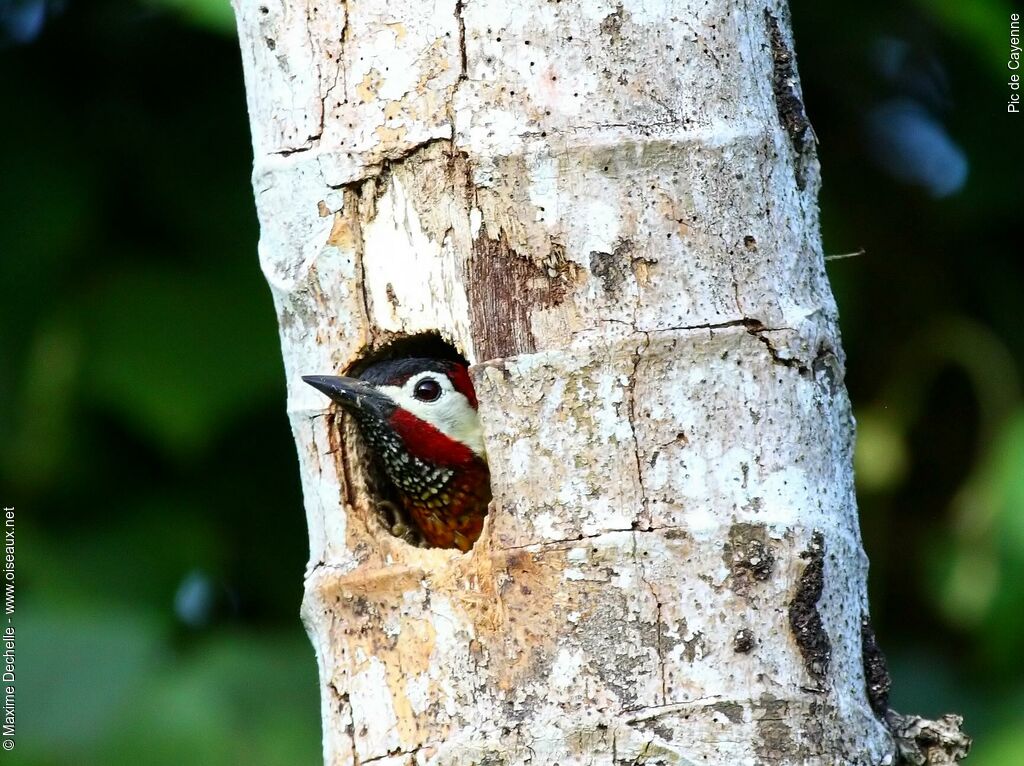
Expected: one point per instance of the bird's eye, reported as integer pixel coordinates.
(427, 390)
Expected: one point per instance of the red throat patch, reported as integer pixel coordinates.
(428, 443)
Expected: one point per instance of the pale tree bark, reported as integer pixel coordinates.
(610, 208)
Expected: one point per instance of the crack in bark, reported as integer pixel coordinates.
(777, 358)
(747, 322)
(646, 713)
(319, 75)
(353, 202)
(449, 106)
(644, 515)
(758, 330)
(384, 165)
(394, 753)
(642, 756)
(323, 104)
(753, 326)
(735, 288)
(460, 6)
(597, 126)
(547, 544)
(344, 701)
(673, 115)
(341, 63)
(292, 150)
(323, 566)
(658, 619)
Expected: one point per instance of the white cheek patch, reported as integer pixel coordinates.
(451, 413)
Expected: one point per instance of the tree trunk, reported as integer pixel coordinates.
(610, 208)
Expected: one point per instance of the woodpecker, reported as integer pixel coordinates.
(419, 419)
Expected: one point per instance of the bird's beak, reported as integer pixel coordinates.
(353, 394)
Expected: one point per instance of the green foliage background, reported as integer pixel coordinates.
(143, 439)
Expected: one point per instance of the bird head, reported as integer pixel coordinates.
(423, 408)
(419, 419)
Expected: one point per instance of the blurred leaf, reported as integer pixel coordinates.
(880, 460)
(79, 668)
(40, 441)
(178, 355)
(1009, 476)
(49, 207)
(981, 568)
(1002, 746)
(250, 700)
(1001, 636)
(213, 14)
(168, 533)
(105, 690)
(924, 683)
(984, 23)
